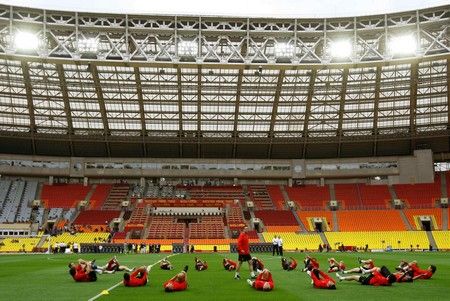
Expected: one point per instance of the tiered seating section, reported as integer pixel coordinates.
(419, 195)
(19, 244)
(260, 197)
(207, 227)
(80, 238)
(63, 195)
(226, 193)
(277, 196)
(165, 227)
(307, 219)
(96, 217)
(442, 239)
(235, 218)
(414, 220)
(293, 241)
(309, 197)
(117, 194)
(278, 220)
(99, 196)
(379, 239)
(374, 196)
(370, 220)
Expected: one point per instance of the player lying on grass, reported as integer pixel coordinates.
(264, 281)
(83, 271)
(321, 279)
(288, 265)
(229, 264)
(114, 266)
(165, 264)
(258, 265)
(177, 282)
(421, 274)
(137, 278)
(365, 264)
(379, 277)
(403, 274)
(200, 265)
(335, 266)
(310, 263)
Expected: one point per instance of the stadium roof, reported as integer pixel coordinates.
(236, 8)
(83, 84)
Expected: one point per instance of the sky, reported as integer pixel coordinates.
(236, 8)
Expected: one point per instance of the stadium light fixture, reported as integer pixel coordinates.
(187, 48)
(340, 49)
(89, 45)
(403, 45)
(284, 50)
(25, 40)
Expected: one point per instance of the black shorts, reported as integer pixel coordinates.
(365, 279)
(92, 276)
(244, 257)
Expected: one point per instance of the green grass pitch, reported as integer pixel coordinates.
(46, 277)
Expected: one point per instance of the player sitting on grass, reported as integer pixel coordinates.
(165, 264)
(365, 265)
(257, 264)
(335, 266)
(177, 282)
(263, 282)
(137, 278)
(378, 277)
(321, 279)
(200, 265)
(229, 264)
(83, 271)
(310, 263)
(114, 266)
(288, 265)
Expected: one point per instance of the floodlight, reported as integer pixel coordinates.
(340, 49)
(88, 45)
(403, 45)
(285, 50)
(25, 40)
(187, 48)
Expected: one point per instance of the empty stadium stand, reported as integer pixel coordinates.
(260, 197)
(370, 220)
(165, 227)
(293, 241)
(419, 195)
(100, 195)
(309, 197)
(278, 220)
(442, 239)
(307, 219)
(63, 195)
(434, 213)
(207, 227)
(117, 194)
(96, 217)
(379, 239)
(277, 196)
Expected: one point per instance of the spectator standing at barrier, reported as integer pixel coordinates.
(275, 245)
(280, 245)
(243, 249)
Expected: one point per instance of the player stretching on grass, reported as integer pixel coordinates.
(365, 265)
(137, 278)
(310, 263)
(83, 271)
(375, 278)
(200, 265)
(257, 265)
(335, 266)
(321, 279)
(114, 266)
(165, 264)
(177, 282)
(229, 264)
(243, 249)
(421, 274)
(263, 282)
(288, 265)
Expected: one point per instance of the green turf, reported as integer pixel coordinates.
(45, 277)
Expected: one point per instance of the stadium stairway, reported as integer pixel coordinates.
(324, 238)
(405, 220)
(285, 194)
(444, 218)
(392, 192)
(332, 192)
(431, 239)
(90, 193)
(335, 221)
(299, 221)
(444, 192)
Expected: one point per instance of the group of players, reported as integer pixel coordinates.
(260, 277)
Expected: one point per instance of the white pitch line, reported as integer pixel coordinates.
(119, 283)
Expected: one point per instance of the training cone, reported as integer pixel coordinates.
(105, 292)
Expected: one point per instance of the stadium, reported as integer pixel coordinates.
(144, 135)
